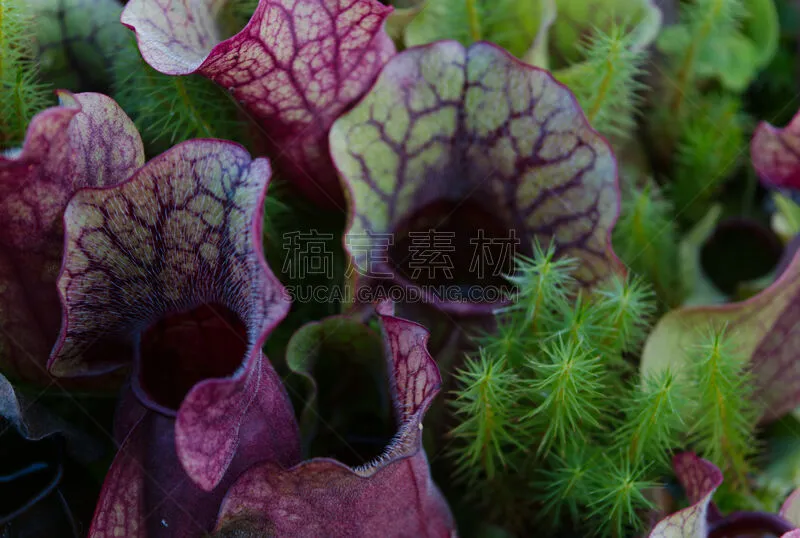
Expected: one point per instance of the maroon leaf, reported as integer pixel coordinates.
(790, 509)
(166, 271)
(85, 141)
(776, 154)
(700, 479)
(393, 496)
(296, 67)
(147, 494)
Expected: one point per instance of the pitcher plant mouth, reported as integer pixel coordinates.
(348, 413)
(746, 524)
(324, 497)
(460, 245)
(181, 349)
(739, 250)
(165, 273)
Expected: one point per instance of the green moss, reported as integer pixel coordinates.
(22, 95)
(171, 109)
(556, 378)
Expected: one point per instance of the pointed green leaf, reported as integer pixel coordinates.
(762, 26)
(732, 57)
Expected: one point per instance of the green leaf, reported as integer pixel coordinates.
(724, 417)
(733, 58)
(654, 419)
(618, 497)
(645, 238)
(731, 45)
(397, 22)
(564, 482)
(764, 328)
(786, 220)
(627, 305)
(710, 150)
(319, 350)
(762, 27)
(512, 24)
(485, 437)
(572, 376)
(76, 41)
(698, 287)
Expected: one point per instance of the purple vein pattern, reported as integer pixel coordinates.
(445, 123)
(182, 233)
(296, 66)
(86, 141)
(700, 479)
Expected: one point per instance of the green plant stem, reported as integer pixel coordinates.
(634, 450)
(474, 21)
(3, 43)
(190, 106)
(687, 66)
(597, 104)
(537, 304)
(649, 253)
